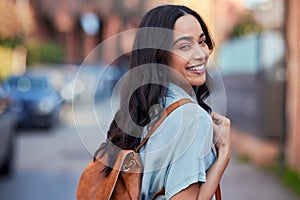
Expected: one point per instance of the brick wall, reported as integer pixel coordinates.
(293, 86)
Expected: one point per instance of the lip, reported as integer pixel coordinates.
(201, 70)
(188, 67)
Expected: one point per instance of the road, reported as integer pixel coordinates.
(48, 163)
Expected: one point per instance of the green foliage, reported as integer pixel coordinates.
(246, 25)
(243, 158)
(11, 42)
(292, 180)
(49, 52)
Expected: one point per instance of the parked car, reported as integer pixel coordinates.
(95, 81)
(38, 101)
(7, 119)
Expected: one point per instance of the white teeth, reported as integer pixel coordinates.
(197, 68)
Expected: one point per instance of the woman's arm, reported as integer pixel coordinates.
(215, 172)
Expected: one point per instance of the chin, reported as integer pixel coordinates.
(197, 83)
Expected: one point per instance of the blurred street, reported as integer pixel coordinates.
(243, 181)
(48, 164)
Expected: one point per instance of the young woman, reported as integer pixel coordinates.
(190, 150)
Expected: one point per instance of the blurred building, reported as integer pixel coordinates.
(262, 101)
(79, 26)
(272, 108)
(293, 86)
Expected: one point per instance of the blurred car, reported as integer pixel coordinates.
(38, 101)
(93, 81)
(7, 119)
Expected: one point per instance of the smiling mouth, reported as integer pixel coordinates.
(196, 67)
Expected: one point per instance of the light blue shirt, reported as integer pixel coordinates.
(180, 151)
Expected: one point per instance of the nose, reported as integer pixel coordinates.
(200, 53)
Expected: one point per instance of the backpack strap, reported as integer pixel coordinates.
(161, 192)
(163, 116)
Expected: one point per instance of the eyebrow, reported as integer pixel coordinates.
(187, 38)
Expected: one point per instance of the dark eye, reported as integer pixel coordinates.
(185, 47)
(202, 42)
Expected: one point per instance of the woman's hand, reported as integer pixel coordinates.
(222, 141)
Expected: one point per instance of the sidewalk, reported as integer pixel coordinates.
(245, 181)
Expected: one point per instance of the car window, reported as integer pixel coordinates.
(26, 84)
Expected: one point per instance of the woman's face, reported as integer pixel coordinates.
(189, 51)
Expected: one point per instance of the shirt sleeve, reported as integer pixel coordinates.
(190, 150)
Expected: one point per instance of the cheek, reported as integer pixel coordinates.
(178, 61)
(207, 51)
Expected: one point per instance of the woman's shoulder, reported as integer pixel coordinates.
(189, 111)
(187, 119)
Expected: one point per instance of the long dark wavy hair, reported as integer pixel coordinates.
(150, 50)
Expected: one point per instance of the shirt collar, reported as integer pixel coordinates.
(177, 93)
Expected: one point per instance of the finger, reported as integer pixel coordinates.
(217, 134)
(219, 119)
(216, 115)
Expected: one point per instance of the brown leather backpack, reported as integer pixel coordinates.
(124, 181)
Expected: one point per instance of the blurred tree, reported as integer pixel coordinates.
(10, 25)
(15, 22)
(44, 52)
(245, 26)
